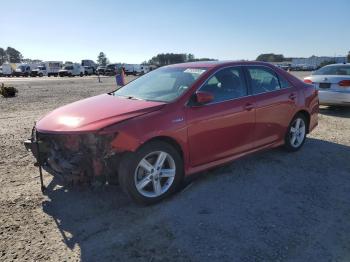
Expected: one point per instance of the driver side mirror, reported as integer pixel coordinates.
(203, 97)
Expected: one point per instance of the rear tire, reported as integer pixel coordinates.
(296, 133)
(151, 173)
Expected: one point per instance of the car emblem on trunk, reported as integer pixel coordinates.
(325, 79)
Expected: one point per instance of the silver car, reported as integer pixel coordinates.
(333, 84)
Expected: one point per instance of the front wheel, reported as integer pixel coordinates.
(152, 173)
(296, 133)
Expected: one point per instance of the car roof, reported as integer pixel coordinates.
(217, 64)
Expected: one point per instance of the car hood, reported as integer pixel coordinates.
(94, 113)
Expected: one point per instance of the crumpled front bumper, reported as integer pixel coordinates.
(73, 159)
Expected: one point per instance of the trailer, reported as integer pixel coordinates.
(145, 69)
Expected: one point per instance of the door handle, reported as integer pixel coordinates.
(248, 106)
(292, 96)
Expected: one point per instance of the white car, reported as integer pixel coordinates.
(332, 83)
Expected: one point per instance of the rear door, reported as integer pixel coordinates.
(225, 126)
(275, 102)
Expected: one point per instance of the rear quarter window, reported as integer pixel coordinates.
(263, 80)
(283, 82)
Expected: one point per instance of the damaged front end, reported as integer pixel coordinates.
(75, 158)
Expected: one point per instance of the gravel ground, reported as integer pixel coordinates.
(271, 206)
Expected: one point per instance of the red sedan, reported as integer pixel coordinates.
(173, 122)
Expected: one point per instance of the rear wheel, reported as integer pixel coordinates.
(152, 173)
(296, 133)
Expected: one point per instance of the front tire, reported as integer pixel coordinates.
(296, 133)
(151, 173)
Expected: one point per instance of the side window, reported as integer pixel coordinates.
(283, 82)
(226, 84)
(263, 80)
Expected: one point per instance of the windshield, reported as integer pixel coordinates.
(164, 84)
(68, 67)
(333, 70)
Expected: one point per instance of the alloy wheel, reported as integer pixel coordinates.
(155, 174)
(297, 132)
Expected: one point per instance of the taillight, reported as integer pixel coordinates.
(307, 81)
(344, 83)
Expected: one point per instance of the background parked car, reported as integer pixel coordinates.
(333, 84)
(111, 69)
(101, 70)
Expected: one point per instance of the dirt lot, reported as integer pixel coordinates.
(271, 206)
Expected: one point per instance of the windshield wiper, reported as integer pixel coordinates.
(131, 97)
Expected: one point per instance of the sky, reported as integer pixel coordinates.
(134, 31)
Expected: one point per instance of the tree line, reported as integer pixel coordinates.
(271, 57)
(160, 59)
(10, 55)
(171, 58)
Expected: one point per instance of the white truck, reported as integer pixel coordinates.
(7, 69)
(23, 70)
(132, 69)
(72, 70)
(89, 63)
(52, 67)
(145, 69)
(39, 71)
